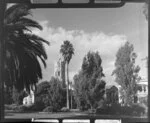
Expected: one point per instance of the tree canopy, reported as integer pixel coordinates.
(23, 48)
(67, 51)
(88, 83)
(126, 72)
(51, 94)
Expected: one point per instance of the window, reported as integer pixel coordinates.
(95, 40)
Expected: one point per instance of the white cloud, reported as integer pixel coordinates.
(107, 45)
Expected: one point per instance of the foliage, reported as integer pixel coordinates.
(49, 109)
(50, 94)
(143, 100)
(38, 105)
(18, 96)
(117, 109)
(24, 49)
(88, 84)
(56, 94)
(79, 91)
(10, 107)
(112, 95)
(126, 72)
(21, 108)
(41, 94)
(8, 95)
(67, 51)
(64, 109)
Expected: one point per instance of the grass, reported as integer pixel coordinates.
(11, 115)
(74, 113)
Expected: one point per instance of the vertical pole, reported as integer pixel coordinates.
(2, 49)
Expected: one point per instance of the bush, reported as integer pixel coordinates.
(113, 109)
(138, 109)
(102, 110)
(65, 109)
(50, 94)
(38, 106)
(49, 109)
(135, 110)
(126, 110)
(11, 107)
(20, 108)
(24, 108)
(144, 100)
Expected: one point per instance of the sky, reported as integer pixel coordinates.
(102, 30)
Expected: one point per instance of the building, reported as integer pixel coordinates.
(142, 93)
(30, 99)
(59, 70)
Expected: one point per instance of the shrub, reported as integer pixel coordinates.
(39, 105)
(126, 110)
(102, 110)
(114, 109)
(50, 109)
(11, 107)
(24, 108)
(138, 109)
(20, 108)
(65, 109)
(50, 94)
(144, 100)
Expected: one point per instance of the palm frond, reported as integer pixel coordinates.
(15, 12)
(36, 38)
(24, 50)
(29, 23)
(67, 51)
(11, 28)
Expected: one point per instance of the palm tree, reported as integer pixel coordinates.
(67, 51)
(23, 48)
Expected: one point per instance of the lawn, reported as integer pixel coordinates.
(82, 115)
(27, 117)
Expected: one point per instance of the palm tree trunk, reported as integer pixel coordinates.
(71, 100)
(2, 50)
(67, 87)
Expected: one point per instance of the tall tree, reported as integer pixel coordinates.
(126, 72)
(23, 48)
(67, 51)
(89, 85)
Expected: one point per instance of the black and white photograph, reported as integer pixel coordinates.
(74, 61)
